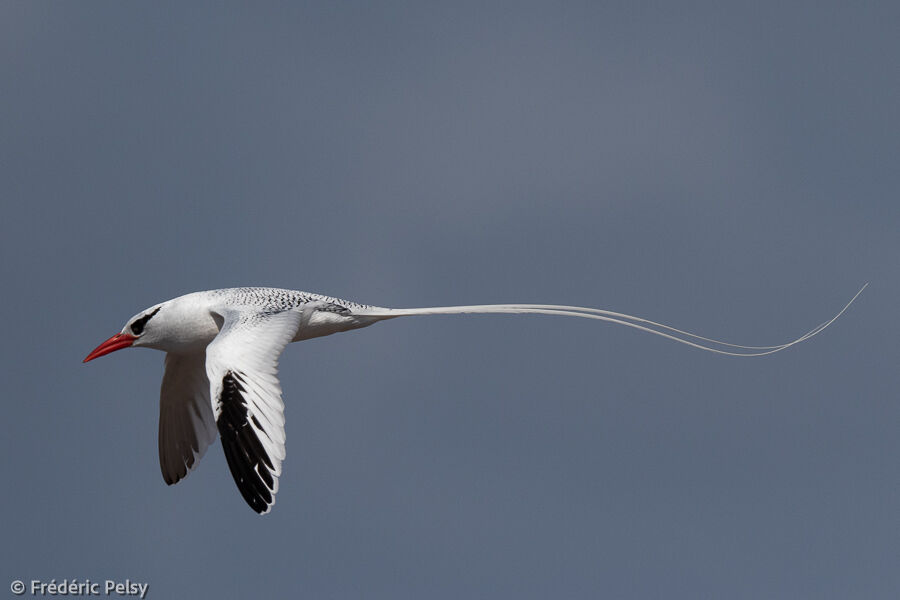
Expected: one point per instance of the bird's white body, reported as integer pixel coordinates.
(222, 349)
(190, 321)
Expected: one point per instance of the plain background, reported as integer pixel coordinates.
(726, 168)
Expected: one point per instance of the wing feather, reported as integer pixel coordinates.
(186, 423)
(242, 368)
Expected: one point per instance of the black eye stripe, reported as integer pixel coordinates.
(137, 328)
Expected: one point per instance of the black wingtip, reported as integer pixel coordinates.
(246, 457)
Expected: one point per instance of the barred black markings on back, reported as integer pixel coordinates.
(281, 299)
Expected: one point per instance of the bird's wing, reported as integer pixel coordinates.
(186, 423)
(242, 367)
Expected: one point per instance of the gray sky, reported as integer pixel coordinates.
(727, 169)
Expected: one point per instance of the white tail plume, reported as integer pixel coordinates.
(677, 335)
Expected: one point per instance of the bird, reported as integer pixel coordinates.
(221, 367)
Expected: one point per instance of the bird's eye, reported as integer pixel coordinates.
(137, 328)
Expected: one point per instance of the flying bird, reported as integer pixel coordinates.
(222, 349)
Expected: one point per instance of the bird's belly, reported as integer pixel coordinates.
(323, 323)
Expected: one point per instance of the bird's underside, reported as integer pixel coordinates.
(222, 357)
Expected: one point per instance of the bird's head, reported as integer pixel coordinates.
(146, 328)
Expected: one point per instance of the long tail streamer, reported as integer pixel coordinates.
(677, 335)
